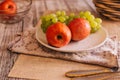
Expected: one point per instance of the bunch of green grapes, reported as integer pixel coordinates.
(47, 20)
(61, 16)
(95, 23)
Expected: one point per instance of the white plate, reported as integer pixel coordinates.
(92, 41)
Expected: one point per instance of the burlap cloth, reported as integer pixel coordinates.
(105, 55)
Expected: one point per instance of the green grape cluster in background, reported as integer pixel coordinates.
(95, 23)
(61, 16)
(47, 20)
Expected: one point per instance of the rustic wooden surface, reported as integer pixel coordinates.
(9, 31)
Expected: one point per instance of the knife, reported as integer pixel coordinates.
(103, 76)
(80, 73)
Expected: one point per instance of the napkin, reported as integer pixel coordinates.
(106, 55)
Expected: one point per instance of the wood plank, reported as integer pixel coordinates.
(7, 58)
(7, 34)
(55, 5)
(8, 31)
(77, 5)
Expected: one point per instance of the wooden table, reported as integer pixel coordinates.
(9, 31)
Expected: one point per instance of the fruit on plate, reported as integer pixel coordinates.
(60, 28)
(61, 16)
(80, 28)
(95, 23)
(47, 20)
(8, 7)
(58, 34)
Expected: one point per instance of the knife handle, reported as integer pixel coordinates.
(103, 76)
(81, 73)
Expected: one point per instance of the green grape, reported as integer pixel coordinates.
(52, 15)
(47, 25)
(43, 26)
(87, 13)
(81, 13)
(93, 24)
(58, 13)
(61, 19)
(68, 20)
(98, 20)
(83, 17)
(61, 16)
(91, 18)
(44, 29)
(93, 29)
(72, 14)
(76, 17)
(47, 18)
(67, 17)
(63, 13)
(98, 26)
(54, 20)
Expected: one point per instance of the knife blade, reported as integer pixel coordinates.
(80, 73)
